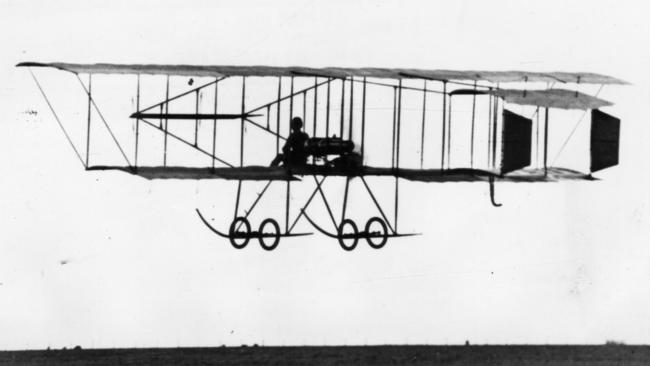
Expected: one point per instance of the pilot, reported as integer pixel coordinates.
(294, 151)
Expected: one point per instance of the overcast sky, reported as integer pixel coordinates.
(106, 259)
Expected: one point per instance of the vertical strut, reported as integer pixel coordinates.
(537, 138)
(449, 134)
(314, 132)
(545, 140)
(363, 120)
(345, 198)
(489, 144)
(471, 146)
(424, 112)
(304, 110)
(238, 194)
(90, 78)
(315, 104)
(241, 128)
(392, 151)
(444, 123)
(495, 117)
(167, 122)
(214, 123)
(399, 123)
(396, 200)
(327, 112)
(196, 121)
(351, 107)
(291, 104)
(342, 107)
(137, 124)
(277, 122)
(286, 212)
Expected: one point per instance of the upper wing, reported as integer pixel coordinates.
(333, 72)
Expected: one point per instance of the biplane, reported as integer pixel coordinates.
(492, 140)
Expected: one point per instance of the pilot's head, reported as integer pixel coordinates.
(296, 124)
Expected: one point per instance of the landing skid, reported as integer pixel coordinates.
(235, 234)
(383, 235)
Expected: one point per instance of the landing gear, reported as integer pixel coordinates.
(342, 234)
(234, 232)
(382, 233)
(239, 233)
(275, 234)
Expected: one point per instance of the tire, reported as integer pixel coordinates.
(384, 233)
(233, 230)
(355, 235)
(276, 237)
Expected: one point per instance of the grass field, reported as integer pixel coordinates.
(609, 355)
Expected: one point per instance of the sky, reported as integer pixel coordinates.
(106, 259)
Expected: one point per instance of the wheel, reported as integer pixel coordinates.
(342, 236)
(383, 232)
(276, 234)
(234, 233)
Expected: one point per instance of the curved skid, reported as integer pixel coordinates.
(361, 235)
(242, 235)
(210, 226)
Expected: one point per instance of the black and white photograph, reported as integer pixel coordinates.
(370, 182)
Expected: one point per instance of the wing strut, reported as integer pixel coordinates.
(58, 120)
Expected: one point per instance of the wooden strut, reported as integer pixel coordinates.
(291, 104)
(495, 117)
(137, 125)
(397, 155)
(350, 127)
(545, 140)
(304, 110)
(537, 137)
(363, 120)
(277, 121)
(327, 111)
(196, 121)
(449, 134)
(286, 213)
(345, 198)
(424, 112)
(214, 122)
(444, 124)
(243, 119)
(89, 117)
(471, 148)
(392, 151)
(342, 108)
(167, 123)
(489, 149)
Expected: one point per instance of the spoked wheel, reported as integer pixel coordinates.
(235, 233)
(377, 231)
(344, 235)
(275, 235)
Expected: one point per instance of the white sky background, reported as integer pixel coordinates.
(558, 263)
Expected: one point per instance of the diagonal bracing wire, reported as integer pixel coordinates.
(58, 120)
(187, 143)
(574, 128)
(104, 121)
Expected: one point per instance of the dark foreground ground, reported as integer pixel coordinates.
(609, 355)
